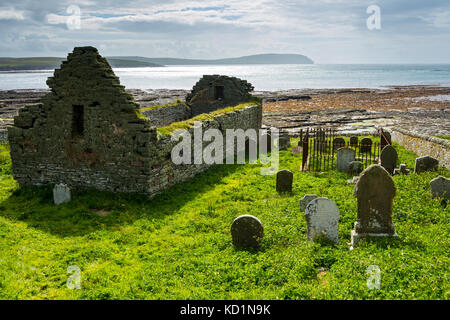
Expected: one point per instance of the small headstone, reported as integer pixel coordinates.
(284, 141)
(305, 200)
(353, 141)
(401, 170)
(322, 218)
(284, 180)
(297, 150)
(344, 157)
(375, 191)
(440, 187)
(366, 145)
(389, 158)
(354, 180)
(247, 231)
(355, 167)
(338, 143)
(61, 194)
(426, 163)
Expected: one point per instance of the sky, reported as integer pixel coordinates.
(327, 31)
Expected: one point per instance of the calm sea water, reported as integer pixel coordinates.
(263, 77)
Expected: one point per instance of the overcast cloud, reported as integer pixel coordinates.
(327, 31)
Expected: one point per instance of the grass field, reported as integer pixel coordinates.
(178, 245)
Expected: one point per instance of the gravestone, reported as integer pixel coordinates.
(247, 231)
(385, 139)
(401, 170)
(322, 218)
(354, 141)
(426, 163)
(389, 158)
(375, 191)
(284, 181)
(440, 187)
(338, 143)
(61, 194)
(344, 157)
(305, 200)
(284, 141)
(297, 150)
(355, 167)
(366, 145)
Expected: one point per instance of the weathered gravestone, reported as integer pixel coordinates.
(366, 145)
(284, 141)
(355, 167)
(401, 170)
(389, 158)
(305, 200)
(440, 187)
(426, 163)
(344, 157)
(354, 141)
(338, 143)
(322, 218)
(375, 192)
(61, 194)
(385, 139)
(284, 181)
(247, 231)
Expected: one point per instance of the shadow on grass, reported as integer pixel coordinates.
(92, 210)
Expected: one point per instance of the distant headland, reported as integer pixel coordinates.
(50, 63)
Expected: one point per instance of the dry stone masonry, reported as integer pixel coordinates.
(88, 132)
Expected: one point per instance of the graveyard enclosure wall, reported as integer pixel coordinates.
(3, 136)
(423, 145)
(160, 116)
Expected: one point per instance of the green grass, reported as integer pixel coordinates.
(178, 245)
(444, 137)
(178, 102)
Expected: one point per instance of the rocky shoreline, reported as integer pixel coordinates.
(350, 110)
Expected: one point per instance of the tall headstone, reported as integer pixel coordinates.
(338, 143)
(366, 145)
(61, 194)
(440, 187)
(354, 141)
(305, 200)
(247, 231)
(322, 218)
(426, 163)
(344, 157)
(385, 138)
(375, 191)
(389, 158)
(284, 181)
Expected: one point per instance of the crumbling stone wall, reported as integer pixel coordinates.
(87, 132)
(160, 116)
(214, 92)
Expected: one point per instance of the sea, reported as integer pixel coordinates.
(263, 77)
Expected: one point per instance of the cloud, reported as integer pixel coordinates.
(11, 14)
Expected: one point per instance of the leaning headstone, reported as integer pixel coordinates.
(366, 145)
(385, 139)
(247, 231)
(440, 187)
(344, 157)
(375, 191)
(355, 167)
(389, 158)
(322, 218)
(284, 180)
(61, 194)
(338, 143)
(353, 141)
(305, 200)
(426, 163)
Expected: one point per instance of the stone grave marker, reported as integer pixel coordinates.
(375, 191)
(305, 200)
(322, 218)
(354, 141)
(440, 187)
(389, 158)
(284, 141)
(366, 145)
(355, 167)
(247, 231)
(338, 143)
(344, 157)
(284, 181)
(385, 139)
(61, 194)
(426, 163)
